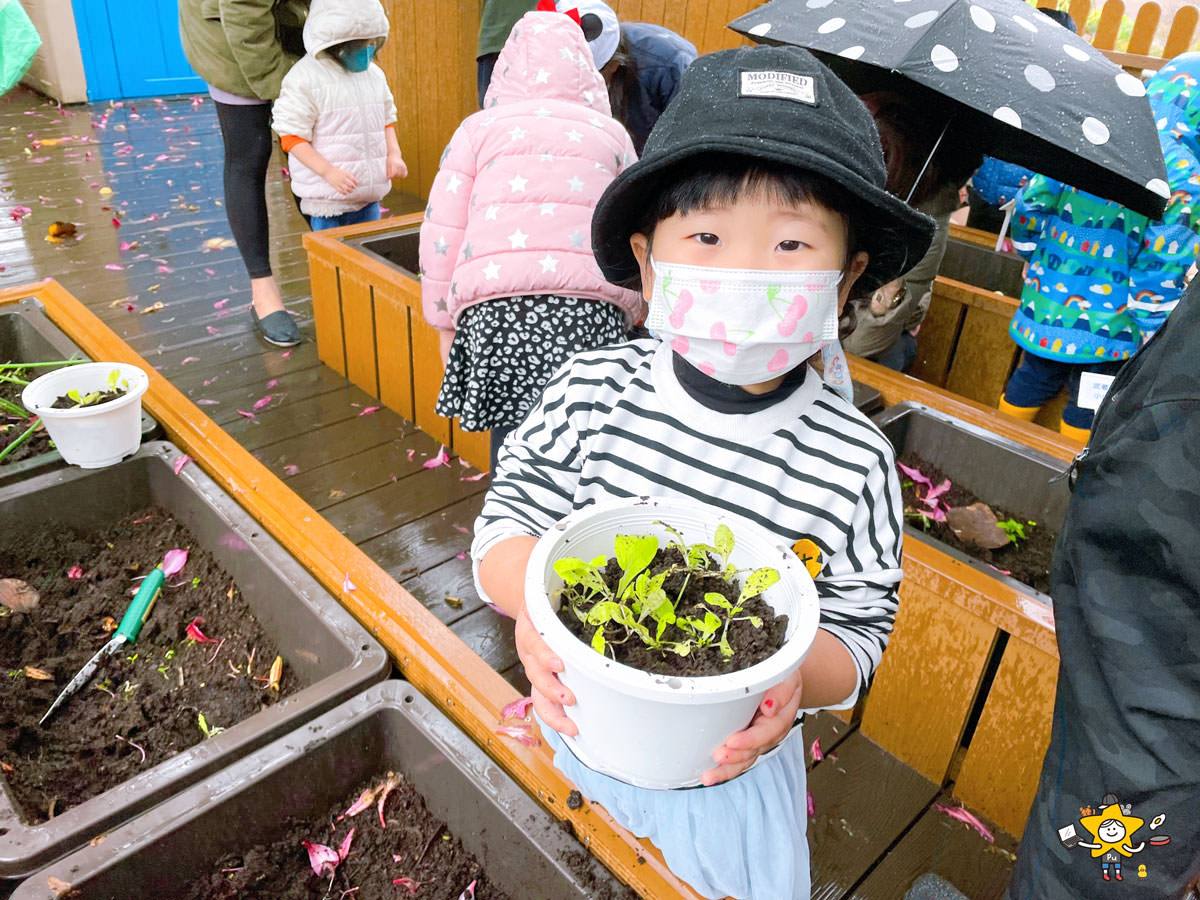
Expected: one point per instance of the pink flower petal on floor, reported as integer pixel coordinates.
(113, 267)
(815, 750)
(248, 415)
(213, 331)
(291, 470)
(165, 270)
(458, 527)
(220, 304)
(474, 477)
(189, 359)
(274, 382)
(462, 555)
(520, 734)
(411, 453)
(348, 585)
(116, 223)
(518, 709)
(369, 409)
(442, 459)
(962, 815)
(75, 572)
(174, 561)
(812, 805)
(126, 245)
(206, 402)
(263, 401)
(285, 354)
(180, 463)
(322, 859)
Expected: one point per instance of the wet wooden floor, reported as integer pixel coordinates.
(154, 259)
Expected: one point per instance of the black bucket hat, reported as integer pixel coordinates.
(775, 104)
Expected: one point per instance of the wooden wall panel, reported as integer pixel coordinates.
(999, 775)
(323, 281)
(394, 358)
(984, 357)
(929, 674)
(358, 329)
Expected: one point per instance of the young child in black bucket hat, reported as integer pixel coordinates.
(756, 212)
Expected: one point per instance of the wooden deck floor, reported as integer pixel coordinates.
(142, 182)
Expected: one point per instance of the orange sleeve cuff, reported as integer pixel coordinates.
(391, 125)
(288, 141)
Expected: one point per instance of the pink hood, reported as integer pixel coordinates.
(510, 212)
(547, 58)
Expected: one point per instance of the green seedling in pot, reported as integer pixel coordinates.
(639, 605)
(15, 373)
(114, 384)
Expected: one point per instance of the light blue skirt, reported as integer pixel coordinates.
(745, 838)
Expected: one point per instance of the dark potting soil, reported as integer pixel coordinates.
(94, 399)
(144, 703)
(415, 845)
(1027, 561)
(750, 645)
(12, 428)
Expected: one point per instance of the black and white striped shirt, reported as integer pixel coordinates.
(616, 422)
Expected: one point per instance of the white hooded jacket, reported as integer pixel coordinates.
(342, 114)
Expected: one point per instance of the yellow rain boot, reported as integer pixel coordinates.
(1024, 413)
(1076, 434)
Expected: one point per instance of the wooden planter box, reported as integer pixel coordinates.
(965, 691)
(367, 306)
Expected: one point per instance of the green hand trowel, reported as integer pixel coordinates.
(131, 624)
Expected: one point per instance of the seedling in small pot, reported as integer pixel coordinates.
(13, 416)
(640, 594)
(114, 388)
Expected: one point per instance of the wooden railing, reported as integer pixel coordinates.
(1151, 40)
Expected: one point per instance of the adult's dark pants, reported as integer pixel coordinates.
(246, 133)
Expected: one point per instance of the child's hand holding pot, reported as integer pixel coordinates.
(542, 666)
(771, 724)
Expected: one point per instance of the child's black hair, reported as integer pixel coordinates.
(718, 179)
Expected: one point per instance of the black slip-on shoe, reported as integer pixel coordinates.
(277, 328)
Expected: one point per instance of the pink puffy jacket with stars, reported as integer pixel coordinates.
(510, 211)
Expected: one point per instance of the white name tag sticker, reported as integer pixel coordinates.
(781, 85)
(1092, 388)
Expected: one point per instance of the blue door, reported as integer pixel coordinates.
(131, 49)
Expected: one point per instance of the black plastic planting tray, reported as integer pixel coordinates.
(390, 727)
(322, 644)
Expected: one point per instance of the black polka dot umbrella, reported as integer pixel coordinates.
(1026, 89)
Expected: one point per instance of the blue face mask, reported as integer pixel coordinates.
(354, 59)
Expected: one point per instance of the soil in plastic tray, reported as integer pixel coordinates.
(12, 428)
(94, 399)
(1028, 560)
(147, 702)
(414, 855)
(750, 644)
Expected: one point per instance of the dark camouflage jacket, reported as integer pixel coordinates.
(1119, 798)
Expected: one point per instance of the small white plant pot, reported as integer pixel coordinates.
(657, 731)
(90, 436)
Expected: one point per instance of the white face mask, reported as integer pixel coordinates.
(744, 326)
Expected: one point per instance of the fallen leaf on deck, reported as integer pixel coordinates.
(453, 602)
(977, 525)
(337, 494)
(217, 243)
(155, 307)
(57, 884)
(61, 230)
(17, 595)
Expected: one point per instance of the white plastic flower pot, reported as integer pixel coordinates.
(90, 436)
(657, 731)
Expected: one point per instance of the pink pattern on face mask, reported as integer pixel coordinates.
(779, 361)
(808, 337)
(680, 345)
(710, 287)
(790, 318)
(682, 305)
(717, 333)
